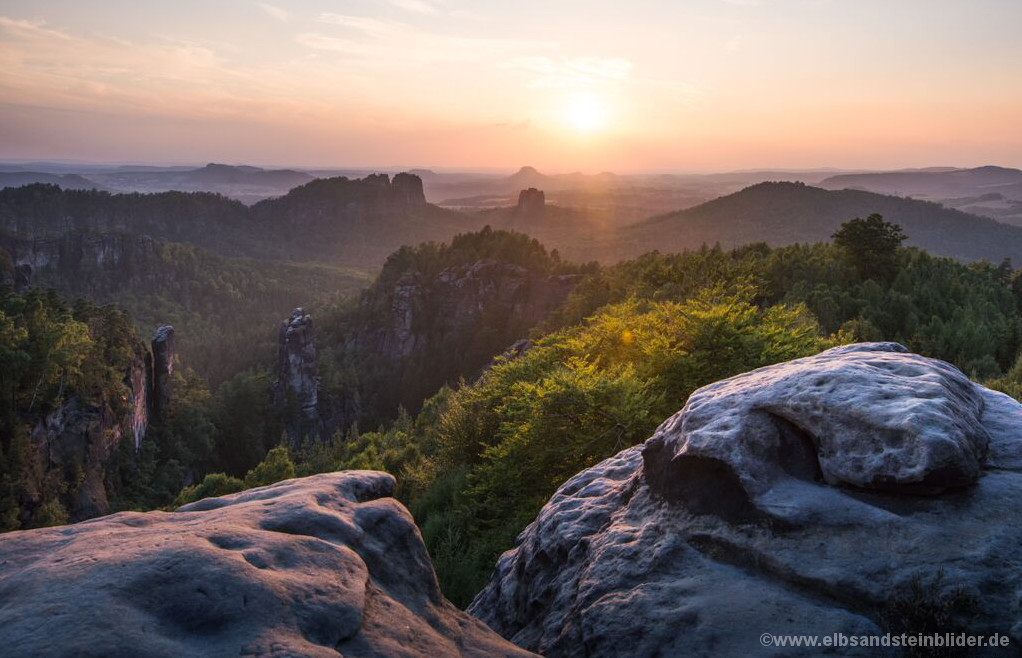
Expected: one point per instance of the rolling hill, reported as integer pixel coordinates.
(994, 192)
(64, 181)
(786, 213)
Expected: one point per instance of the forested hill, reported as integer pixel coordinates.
(338, 221)
(788, 213)
(356, 223)
(224, 309)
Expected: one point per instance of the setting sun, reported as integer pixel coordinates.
(585, 113)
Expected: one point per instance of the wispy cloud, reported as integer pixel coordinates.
(371, 27)
(29, 29)
(274, 12)
(416, 6)
(387, 42)
(45, 67)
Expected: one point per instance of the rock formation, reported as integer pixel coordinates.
(323, 566)
(457, 300)
(162, 368)
(468, 312)
(81, 262)
(811, 497)
(406, 189)
(296, 391)
(531, 201)
(84, 433)
(136, 378)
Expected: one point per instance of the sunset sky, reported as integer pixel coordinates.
(591, 85)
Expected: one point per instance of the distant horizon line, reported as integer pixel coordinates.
(72, 162)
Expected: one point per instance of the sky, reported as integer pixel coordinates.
(563, 85)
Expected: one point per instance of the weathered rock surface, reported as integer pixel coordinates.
(322, 566)
(801, 498)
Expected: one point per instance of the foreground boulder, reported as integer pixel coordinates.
(860, 491)
(322, 566)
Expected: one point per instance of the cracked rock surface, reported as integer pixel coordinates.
(801, 498)
(327, 565)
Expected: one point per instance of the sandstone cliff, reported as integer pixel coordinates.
(419, 327)
(83, 433)
(296, 389)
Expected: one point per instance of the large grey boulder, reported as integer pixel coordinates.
(328, 565)
(859, 491)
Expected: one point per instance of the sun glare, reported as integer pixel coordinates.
(585, 114)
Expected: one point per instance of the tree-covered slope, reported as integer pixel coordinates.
(336, 221)
(787, 213)
(224, 309)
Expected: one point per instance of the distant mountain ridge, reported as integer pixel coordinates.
(242, 182)
(786, 213)
(936, 183)
(64, 181)
(220, 174)
(335, 221)
(990, 191)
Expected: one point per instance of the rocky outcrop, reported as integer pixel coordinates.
(162, 368)
(323, 566)
(531, 201)
(296, 390)
(81, 435)
(137, 379)
(457, 301)
(422, 329)
(406, 189)
(813, 497)
(82, 262)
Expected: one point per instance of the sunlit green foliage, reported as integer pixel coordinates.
(478, 462)
(275, 467)
(49, 353)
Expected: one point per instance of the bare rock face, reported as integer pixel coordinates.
(322, 566)
(406, 189)
(136, 378)
(297, 387)
(80, 262)
(83, 434)
(464, 295)
(531, 201)
(802, 498)
(163, 368)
